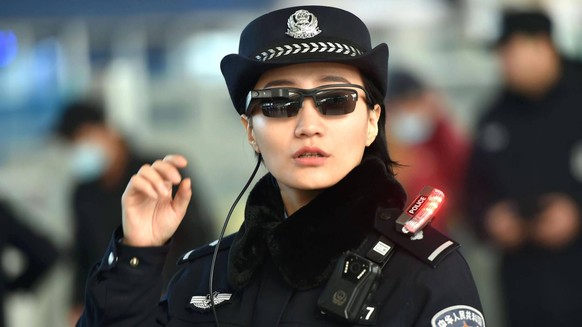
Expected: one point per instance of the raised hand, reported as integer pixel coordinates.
(150, 214)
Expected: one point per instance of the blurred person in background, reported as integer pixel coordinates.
(103, 162)
(426, 141)
(525, 175)
(39, 255)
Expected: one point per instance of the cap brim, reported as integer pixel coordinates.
(241, 73)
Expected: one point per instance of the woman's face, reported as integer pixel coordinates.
(310, 151)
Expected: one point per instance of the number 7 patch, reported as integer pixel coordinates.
(368, 315)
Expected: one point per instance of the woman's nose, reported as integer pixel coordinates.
(310, 121)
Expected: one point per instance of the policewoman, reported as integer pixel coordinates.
(320, 244)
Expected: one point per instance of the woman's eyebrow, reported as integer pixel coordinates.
(335, 78)
(279, 82)
(286, 82)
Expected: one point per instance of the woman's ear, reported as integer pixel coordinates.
(373, 118)
(248, 126)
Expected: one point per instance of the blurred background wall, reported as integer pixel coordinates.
(155, 64)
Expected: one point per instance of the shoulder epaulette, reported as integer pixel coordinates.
(207, 249)
(428, 245)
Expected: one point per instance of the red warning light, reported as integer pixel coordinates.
(422, 210)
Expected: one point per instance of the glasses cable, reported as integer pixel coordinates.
(221, 236)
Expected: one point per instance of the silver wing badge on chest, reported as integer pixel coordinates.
(202, 302)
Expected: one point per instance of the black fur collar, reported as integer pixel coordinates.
(314, 236)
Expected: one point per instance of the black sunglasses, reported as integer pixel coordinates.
(330, 100)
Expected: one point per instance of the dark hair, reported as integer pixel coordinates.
(378, 148)
(403, 84)
(532, 23)
(76, 114)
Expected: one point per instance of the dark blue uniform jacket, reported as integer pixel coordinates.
(273, 270)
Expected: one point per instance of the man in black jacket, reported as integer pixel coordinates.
(525, 176)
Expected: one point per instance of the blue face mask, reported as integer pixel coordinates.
(88, 161)
(412, 128)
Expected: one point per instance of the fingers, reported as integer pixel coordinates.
(177, 160)
(167, 171)
(142, 185)
(182, 198)
(150, 175)
(161, 175)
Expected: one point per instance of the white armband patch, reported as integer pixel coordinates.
(458, 316)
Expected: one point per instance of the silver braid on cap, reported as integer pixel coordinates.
(308, 47)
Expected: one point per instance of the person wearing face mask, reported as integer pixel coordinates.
(321, 243)
(425, 140)
(102, 163)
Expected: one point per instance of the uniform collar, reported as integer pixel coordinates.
(305, 246)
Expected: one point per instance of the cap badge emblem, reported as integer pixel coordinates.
(302, 25)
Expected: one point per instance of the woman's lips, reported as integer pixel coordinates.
(310, 156)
